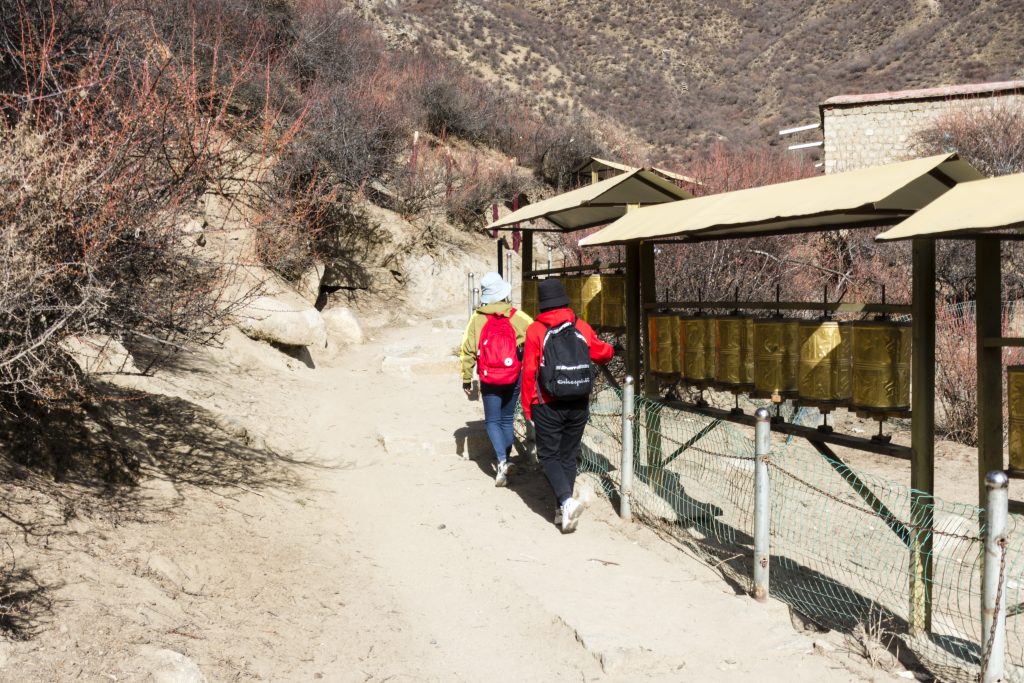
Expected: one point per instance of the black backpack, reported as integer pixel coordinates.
(565, 368)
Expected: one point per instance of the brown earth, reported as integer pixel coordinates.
(317, 524)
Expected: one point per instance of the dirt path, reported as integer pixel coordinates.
(372, 552)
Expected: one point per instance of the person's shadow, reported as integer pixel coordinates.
(526, 479)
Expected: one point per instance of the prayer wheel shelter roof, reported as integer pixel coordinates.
(968, 210)
(867, 197)
(596, 204)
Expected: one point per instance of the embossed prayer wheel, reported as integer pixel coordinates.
(734, 353)
(823, 373)
(574, 290)
(776, 357)
(881, 366)
(613, 301)
(697, 339)
(529, 298)
(1015, 393)
(663, 352)
(590, 299)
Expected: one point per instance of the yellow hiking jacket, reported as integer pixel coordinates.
(470, 339)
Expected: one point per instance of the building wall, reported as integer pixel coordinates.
(874, 133)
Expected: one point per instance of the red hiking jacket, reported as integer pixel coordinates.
(600, 352)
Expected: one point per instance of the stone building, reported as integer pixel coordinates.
(869, 130)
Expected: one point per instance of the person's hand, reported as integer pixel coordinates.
(618, 349)
(467, 388)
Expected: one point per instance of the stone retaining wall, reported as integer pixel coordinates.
(875, 133)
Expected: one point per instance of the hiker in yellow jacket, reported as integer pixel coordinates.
(493, 342)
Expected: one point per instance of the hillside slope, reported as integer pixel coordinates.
(681, 73)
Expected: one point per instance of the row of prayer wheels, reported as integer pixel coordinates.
(600, 300)
(864, 365)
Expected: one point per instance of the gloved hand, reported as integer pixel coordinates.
(467, 388)
(618, 348)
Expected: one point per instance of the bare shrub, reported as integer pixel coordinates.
(110, 147)
(991, 137)
(956, 371)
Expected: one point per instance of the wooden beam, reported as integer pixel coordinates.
(851, 307)
(597, 265)
(1000, 342)
(988, 285)
(922, 430)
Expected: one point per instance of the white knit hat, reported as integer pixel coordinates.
(493, 288)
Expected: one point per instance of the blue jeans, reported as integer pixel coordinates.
(499, 412)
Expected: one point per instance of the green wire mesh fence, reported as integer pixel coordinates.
(840, 540)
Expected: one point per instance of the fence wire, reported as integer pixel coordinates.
(840, 540)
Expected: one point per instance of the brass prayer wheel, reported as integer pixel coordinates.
(574, 290)
(528, 295)
(697, 339)
(881, 366)
(590, 299)
(1015, 393)
(776, 356)
(823, 373)
(613, 301)
(734, 352)
(663, 347)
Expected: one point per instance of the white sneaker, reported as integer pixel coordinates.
(501, 478)
(572, 509)
(558, 516)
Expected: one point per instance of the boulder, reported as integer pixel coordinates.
(343, 327)
(99, 354)
(283, 318)
(168, 666)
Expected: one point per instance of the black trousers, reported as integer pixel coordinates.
(559, 432)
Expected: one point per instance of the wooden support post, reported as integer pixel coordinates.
(634, 316)
(526, 253)
(652, 419)
(634, 313)
(501, 256)
(922, 468)
(594, 177)
(988, 281)
(648, 295)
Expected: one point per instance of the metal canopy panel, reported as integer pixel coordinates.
(596, 204)
(880, 195)
(598, 164)
(968, 209)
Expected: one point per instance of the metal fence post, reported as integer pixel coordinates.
(469, 295)
(476, 297)
(626, 466)
(993, 589)
(508, 266)
(762, 506)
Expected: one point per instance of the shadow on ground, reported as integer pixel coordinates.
(527, 479)
(125, 458)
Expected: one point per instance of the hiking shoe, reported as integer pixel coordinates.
(501, 478)
(571, 511)
(558, 516)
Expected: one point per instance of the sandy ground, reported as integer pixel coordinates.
(300, 524)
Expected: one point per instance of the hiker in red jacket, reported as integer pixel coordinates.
(557, 378)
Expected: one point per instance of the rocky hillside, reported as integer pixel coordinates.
(682, 73)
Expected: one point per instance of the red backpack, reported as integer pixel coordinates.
(497, 359)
